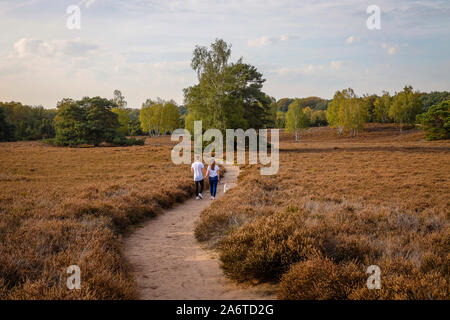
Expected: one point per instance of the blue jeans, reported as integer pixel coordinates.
(213, 185)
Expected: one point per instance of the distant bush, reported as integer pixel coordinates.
(436, 122)
(121, 141)
(89, 121)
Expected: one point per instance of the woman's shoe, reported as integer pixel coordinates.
(213, 198)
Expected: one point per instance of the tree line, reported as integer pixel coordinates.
(348, 112)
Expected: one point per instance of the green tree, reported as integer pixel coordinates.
(122, 112)
(382, 106)
(347, 112)
(296, 118)
(170, 117)
(436, 121)
(156, 119)
(333, 111)
(434, 98)
(119, 99)
(405, 107)
(283, 104)
(145, 116)
(6, 130)
(228, 95)
(368, 102)
(280, 121)
(319, 118)
(87, 121)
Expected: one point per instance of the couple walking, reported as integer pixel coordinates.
(212, 173)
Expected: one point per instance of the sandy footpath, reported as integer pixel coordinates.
(169, 263)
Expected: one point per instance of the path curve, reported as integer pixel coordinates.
(169, 263)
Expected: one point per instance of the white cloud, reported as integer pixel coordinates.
(284, 37)
(260, 42)
(265, 40)
(336, 64)
(390, 49)
(35, 47)
(352, 39)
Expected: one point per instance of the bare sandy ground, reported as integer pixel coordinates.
(169, 263)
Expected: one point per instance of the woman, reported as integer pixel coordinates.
(213, 173)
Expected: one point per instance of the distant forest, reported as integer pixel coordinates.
(20, 122)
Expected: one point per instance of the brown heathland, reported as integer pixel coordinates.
(62, 207)
(337, 206)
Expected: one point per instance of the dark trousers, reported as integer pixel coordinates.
(200, 183)
(213, 185)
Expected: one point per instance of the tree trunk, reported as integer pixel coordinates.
(296, 135)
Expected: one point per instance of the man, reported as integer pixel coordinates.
(197, 169)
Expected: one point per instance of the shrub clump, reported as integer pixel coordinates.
(265, 248)
(320, 278)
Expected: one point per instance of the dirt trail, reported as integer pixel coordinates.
(169, 263)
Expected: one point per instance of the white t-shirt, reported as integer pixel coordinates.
(198, 166)
(215, 172)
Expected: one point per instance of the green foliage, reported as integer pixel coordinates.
(347, 112)
(296, 118)
(228, 94)
(280, 121)
(87, 121)
(283, 104)
(382, 105)
(159, 117)
(27, 123)
(123, 116)
(318, 118)
(433, 98)
(6, 130)
(368, 102)
(170, 117)
(436, 122)
(119, 99)
(406, 106)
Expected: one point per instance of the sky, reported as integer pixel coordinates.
(144, 48)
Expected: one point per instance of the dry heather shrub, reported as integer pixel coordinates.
(320, 279)
(402, 280)
(265, 248)
(235, 208)
(62, 207)
(378, 199)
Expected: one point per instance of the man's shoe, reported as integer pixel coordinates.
(200, 195)
(197, 198)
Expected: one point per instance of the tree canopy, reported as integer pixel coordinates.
(405, 106)
(296, 118)
(87, 121)
(228, 94)
(347, 112)
(436, 121)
